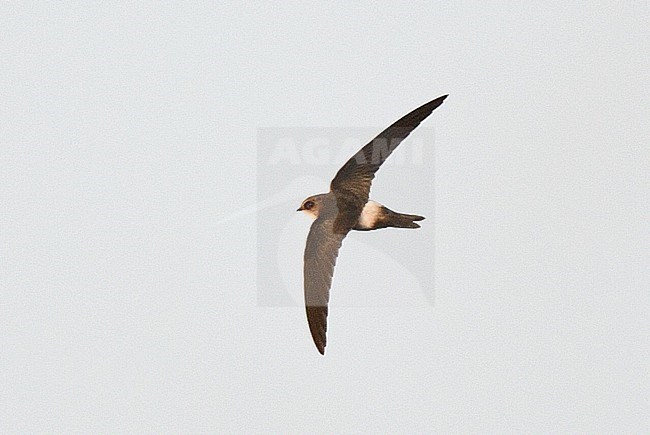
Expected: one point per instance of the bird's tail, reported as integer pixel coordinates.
(401, 220)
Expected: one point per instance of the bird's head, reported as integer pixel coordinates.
(312, 205)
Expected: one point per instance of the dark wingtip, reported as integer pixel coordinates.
(441, 99)
(320, 345)
(432, 105)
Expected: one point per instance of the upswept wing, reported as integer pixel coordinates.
(351, 185)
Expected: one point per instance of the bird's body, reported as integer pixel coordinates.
(346, 207)
(374, 216)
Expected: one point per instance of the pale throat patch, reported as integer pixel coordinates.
(369, 214)
(310, 213)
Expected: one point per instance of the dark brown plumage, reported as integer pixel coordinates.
(340, 210)
(351, 185)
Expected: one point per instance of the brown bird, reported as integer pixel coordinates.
(346, 207)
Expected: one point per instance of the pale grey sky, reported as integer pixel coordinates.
(130, 137)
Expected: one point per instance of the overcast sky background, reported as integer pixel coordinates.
(130, 296)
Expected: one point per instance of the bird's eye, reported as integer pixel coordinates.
(308, 205)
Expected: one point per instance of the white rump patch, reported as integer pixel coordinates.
(369, 215)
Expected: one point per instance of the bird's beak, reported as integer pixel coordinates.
(300, 209)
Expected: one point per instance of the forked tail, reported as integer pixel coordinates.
(401, 220)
